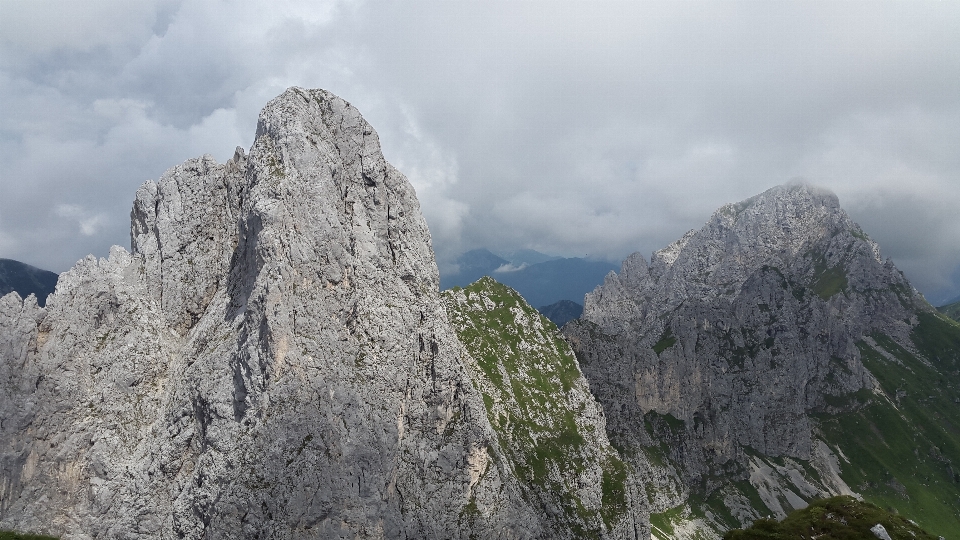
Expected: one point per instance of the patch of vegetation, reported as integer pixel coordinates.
(660, 425)
(662, 523)
(303, 444)
(667, 340)
(828, 280)
(13, 535)
(614, 491)
(938, 339)
(904, 447)
(951, 310)
(836, 518)
(736, 355)
(712, 507)
(527, 371)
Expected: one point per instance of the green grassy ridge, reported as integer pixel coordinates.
(836, 518)
(951, 310)
(904, 456)
(904, 449)
(13, 535)
(528, 370)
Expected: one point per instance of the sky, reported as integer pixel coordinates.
(574, 128)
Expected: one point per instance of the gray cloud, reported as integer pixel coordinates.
(596, 128)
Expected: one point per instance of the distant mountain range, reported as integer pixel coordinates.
(26, 280)
(541, 279)
(562, 312)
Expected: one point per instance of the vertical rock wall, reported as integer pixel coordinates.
(271, 360)
(725, 344)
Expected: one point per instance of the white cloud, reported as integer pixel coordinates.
(509, 267)
(569, 127)
(88, 224)
(32, 27)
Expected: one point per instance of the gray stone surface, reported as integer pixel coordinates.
(726, 342)
(880, 532)
(272, 360)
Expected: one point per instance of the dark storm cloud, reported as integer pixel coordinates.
(596, 128)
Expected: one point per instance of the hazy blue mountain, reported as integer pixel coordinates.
(561, 279)
(953, 300)
(528, 257)
(540, 283)
(473, 264)
(562, 312)
(26, 280)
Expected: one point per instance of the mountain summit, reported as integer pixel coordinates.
(271, 359)
(734, 358)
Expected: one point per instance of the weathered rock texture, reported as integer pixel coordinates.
(711, 360)
(272, 360)
(551, 429)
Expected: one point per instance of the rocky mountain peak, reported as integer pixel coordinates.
(791, 226)
(314, 156)
(272, 359)
(737, 339)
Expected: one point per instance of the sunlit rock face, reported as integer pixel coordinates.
(271, 359)
(724, 345)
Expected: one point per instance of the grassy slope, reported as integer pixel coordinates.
(904, 452)
(11, 535)
(530, 371)
(951, 310)
(836, 518)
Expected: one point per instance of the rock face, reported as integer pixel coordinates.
(713, 359)
(272, 359)
(551, 430)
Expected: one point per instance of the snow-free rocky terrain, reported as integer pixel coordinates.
(273, 359)
(770, 358)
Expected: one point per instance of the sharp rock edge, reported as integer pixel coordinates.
(271, 360)
(725, 343)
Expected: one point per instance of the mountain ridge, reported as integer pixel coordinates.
(280, 368)
(287, 367)
(25, 280)
(741, 345)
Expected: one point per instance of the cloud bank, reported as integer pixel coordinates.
(573, 128)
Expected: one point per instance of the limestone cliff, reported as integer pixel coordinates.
(722, 363)
(271, 359)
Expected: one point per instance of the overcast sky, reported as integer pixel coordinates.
(573, 128)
